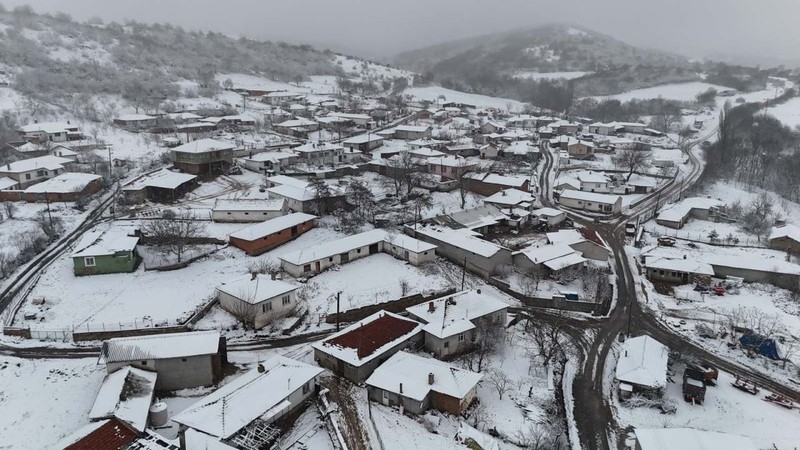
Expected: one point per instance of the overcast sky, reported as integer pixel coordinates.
(765, 29)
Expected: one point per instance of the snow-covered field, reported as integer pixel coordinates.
(44, 400)
(788, 113)
(675, 91)
(550, 75)
(434, 94)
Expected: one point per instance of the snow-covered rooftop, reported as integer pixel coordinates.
(565, 237)
(452, 161)
(260, 230)
(249, 205)
(291, 181)
(413, 128)
(461, 238)
(565, 261)
(296, 123)
(105, 242)
(346, 244)
(454, 313)
(690, 439)
(135, 117)
(502, 180)
(369, 338)
(164, 179)
(363, 138)
(204, 146)
(65, 183)
(256, 290)
(47, 127)
(160, 346)
(679, 265)
(678, 211)
(255, 394)
(271, 156)
(302, 194)
(413, 373)
(509, 197)
(547, 212)
(125, 394)
(590, 196)
(643, 362)
(787, 231)
(6, 183)
(47, 162)
(544, 253)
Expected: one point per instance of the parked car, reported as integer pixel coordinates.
(630, 229)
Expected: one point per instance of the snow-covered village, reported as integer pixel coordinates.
(538, 239)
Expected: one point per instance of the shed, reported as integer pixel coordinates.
(125, 394)
(643, 363)
(105, 251)
(257, 300)
(261, 237)
(162, 186)
(247, 210)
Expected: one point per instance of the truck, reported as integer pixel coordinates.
(694, 386)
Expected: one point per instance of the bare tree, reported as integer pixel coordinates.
(244, 311)
(405, 286)
(546, 338)
(463, 177)
(489, 338)
(322, 195)
(360, 196)
(500, 381)
(10, 208)
(51, 226)
(403, 173)
(174, 233)
(541, 436)
(263, 265)
(632, 160)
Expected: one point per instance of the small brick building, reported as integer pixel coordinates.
(259, 238)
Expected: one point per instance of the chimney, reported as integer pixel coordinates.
(684, 256)
(273, 275)
(401, 388)
(261, 368)
(431, 307)
(478, 291)
(430, 378)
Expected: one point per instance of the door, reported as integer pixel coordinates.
(373, 249)
(294, 230)
(318, 267)
(344, 258)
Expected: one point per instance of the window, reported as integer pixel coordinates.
(266, 307)
(358, 251)
(286, 300)
(247, 214)
(184, 359)
(460, 337)
(144, 363)
(446, 344)
(228, 213)
(307, 268)
(330, 259)
(27, 176)
(89, 261)
(307, 387)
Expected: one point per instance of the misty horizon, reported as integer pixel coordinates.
(716, 30)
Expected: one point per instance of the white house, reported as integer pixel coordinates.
(689, 439)
(247, 210)
(642, 364)
(593, 181)
(591, 201)
(31, 171)
(550, 216)
(411, 132)
(320, 153)
(511, 198)
(364, 142)
(548, 259)
(50, 132)
(257, 300)
(249, 404)
(270, 162)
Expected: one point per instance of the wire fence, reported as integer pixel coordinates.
(737, 240)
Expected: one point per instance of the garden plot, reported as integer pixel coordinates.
(730, 192)
(725, 410)
(675, 91)
(45, 400)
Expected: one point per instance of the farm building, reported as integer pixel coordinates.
(451, 321)
(261, 237)
(416, 384)
(125, 394)
(785, 238)
(182, 360)
(550, 216)
(243, 413)
(603, 129)
(642, 365)
(257, 300)
(359, 349)
(463, 246)
(676, 270)
(28, 172)
(689, 439)
(247, 210)
(203, 157)
(136, 121)
(583, 240)
(318, 258)
(161, 186)
(67, 187)
(676, 215)
(411, 132)
(591, 201)
(102, 252)
(492, 183)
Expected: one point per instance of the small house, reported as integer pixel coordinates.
(50, 132)
(136, 121)
(28, 172)
(411, 132)
(511, 198)
(261, 237)
(204, 156)
(689, 439)
(356, 351)
(591, 201)
(549, 216)
(675, 270)
(492, 183)
(642, 364)
(548, 260)
(785, 238)
(580, 149)
(257, 300)
(270, 162)
(103, 252)
(182, 360)
(67, 187)
(108, 434)
(364, 143)
(320, 153)
(247, 210)
(583, 240)
(676, 215)
(161, 186)
(464, 247)
(451, 322)
(416, 384)
(302, 197)
(244, 412)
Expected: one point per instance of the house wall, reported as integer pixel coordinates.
(31, 177)
(411, 135)
(120, 262)
(261, 318)
(450, 345)
(669, 276)
(357, 374)
(785, 281)
(245, 216)
(298, 399)
(786, 244)
(591, 250)
(388, 398)
(592, 206)
(451, 405)
(415, 258)
(174, 373)
(478, 264)
(579, 151)
(325, 263)
(266, 243)
(554, 220)
(671, 223)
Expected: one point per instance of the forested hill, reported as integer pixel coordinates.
(56, 56)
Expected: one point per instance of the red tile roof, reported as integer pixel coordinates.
(113, 435)
(591, 235)
(374, 335)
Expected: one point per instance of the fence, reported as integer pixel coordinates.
(703, 238)
(394, 306)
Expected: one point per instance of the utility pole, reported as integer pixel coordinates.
(50, 216)
(464, 274)
(337, 309)
(109, 164)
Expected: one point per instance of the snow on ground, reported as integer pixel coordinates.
(726, 409)
(10, 99)
(730, 192)
(447, 202)
(365, 69)
(788, 112)
(550, 75)
(44, 400)
(675, 91)
(432, 93)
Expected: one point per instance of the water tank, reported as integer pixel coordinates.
(159, 415)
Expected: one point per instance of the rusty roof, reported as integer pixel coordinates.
(113, 435)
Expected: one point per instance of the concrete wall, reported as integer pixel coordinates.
(261, 317)
(297, 399)
(245, 216)
(357, 374)
(266, 243)
(590, 250)
(477, 264)
(592, 206)
(388, 398)
(785, 281)
(121, 262)
(175, 373)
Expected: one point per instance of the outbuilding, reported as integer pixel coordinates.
(103, 252)
(247, 210)
(642, 364)
(364, 143)
(411, 132)
(261, 237)
(161, 186)
(257, 300)
(591, 201)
